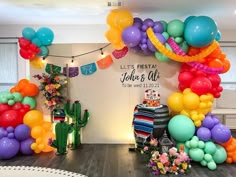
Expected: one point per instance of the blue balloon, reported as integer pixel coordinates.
(43, 51)
(25, 146)
(37, 42)
(131, 36)
(22, 132)
(45, 35)
(200, 31)
(28, 33)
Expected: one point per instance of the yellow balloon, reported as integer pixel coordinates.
(37, 63)
(175, 102)
(123, 19)
(33, 118)
(39, 140)
(37, 151)
(37, 131)
(34, 146)
(41, 147)
(113, 35)
(191, 100)
(46, 137)
(111, 18)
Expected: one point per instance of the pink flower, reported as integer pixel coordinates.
(177, 162)
(183, 157)
(164, 158)
(153, 142)
(173, 151)
(145, 148)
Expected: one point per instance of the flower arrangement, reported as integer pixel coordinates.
(51, 86)
(162, 163)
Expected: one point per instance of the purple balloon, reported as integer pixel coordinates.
(144, 28)
(8, 148)
(160, 37)
(138, 22)
(131, 36)
(10, 129)
(148, 22)
(158, 27)
(11, 135)
(22, 132)
(220, 133)
(208, 122)
(25, 146)
(204, 134)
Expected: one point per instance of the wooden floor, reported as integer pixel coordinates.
(98, 160)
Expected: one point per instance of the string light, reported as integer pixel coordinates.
(101, 51)
(72, 60)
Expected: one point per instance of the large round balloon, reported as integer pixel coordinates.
(220, 154)
(25, 146)
(45, 35)
(22, 132)
(33, 118)
(181, 128)
(28, 33)
(220, 133)
(175, 102)
(131, 36)
(200, 31)
(8, 148)
(10, 118)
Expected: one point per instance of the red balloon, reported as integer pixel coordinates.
(185, 78)
(17, 106)
(24, 53)
(201, 85)
(4, 107)
(9, 118)
(24, 43)
(215, 80)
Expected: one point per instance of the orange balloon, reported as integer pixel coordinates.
(227, 143)
(47, 126)
(37, 131)
(229, 160)
(30, 90)
(12, 90)
(216, 63)
(48, 135)
(111, 18)
(33, 118)
(226, 66)
(22, 83)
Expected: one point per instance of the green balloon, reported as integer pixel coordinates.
(195, 138)
(11, 102)
(210, 147)
(211, 165)
(4, 96)
(203, 163)
(175, 28)
(196, 154)
(193, 143)
(201, 144)
(181, 128)
(208, 157)
(184, 46)
(220, 154)
(166, 35)
(30, 101)
(165, 24)
(17, 96)
(179, 40)
(187, 144)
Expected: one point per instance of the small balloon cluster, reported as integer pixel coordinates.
(17, 121)
(204, 145)
(34, 43)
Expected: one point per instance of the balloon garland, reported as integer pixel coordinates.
(194, 43)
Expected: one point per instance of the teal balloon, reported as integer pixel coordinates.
(193, 143)
(218, 36)
(37, 42)
(220, 154)
(30, 101)
(211, 165)
(200, 31)
(175, 28)
(28, 33)
(164, 24)
(188, 19)
(17, 96)
(43, 51)
(181, 128)
(210, 147)
(45, 35)
(11, 102)
(196, 154)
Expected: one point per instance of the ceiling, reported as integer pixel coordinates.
(95, 11)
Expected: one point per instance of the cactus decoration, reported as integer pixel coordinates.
(75, 114)
(62, 129)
